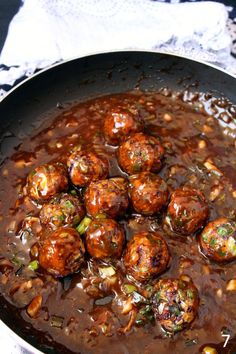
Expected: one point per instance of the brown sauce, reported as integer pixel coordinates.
(200, 152)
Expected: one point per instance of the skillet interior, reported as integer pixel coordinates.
(84, 78)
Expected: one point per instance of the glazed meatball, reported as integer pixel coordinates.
(218, 240)
(46, 181)
(86, 166)
(148, 193)
(146, 256)
(175, 303)
(65, 210)
(62, 253)
(120, 123)
(105, 238)
(108, 196)
(187, 211)
(140, 153)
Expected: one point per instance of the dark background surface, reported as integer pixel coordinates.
(8, 8)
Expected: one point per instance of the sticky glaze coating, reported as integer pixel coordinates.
(108, 196)
(148, 193)
(147, 255)
(120, 123)
(62, 253)
(141, 152)
(175, 303)
(218, 240)
(46, 181)
(65, 210)
(102, 307)
(105, 239)
(187, 210)
(86, 166)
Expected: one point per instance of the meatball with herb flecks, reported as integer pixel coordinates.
(140, 153)
(108, 196)
(62, 253)
(120, 123)
(86, 166)
(147, 255)
(218, 240)
(105, 239)
(187, 210)
(45, 181)
(175, 303)
(65, 210)
(148, 193)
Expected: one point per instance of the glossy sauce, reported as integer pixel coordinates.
(199, 152)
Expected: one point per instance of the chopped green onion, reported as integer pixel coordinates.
(139, 322)
(190, 294)
(221, 253)
(101, 216)
(129, 288)
(33, 265)
(177, 328)
(174, 310)
(158, 296)
(68, 204)
(58, 217)
(82, 227)
(106, 271)
(222, 230)
(144, 315)
(16, 261)
(149, 288)
(226, 229)
(56, 321)
(145, 310)
(73, 192)
(212, 242)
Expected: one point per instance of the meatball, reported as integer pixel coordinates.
(46, 181)
(148, 193)
(187, 211)
(140, 153)
(86, 166)
(108, 196)
(120, 123)
(105, 238)
(66, 210)
(175, 303)
(146, 256)
(218, 240)
(62, 253)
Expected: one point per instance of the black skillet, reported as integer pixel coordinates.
(80, 79)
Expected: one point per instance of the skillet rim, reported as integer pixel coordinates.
(41, 71)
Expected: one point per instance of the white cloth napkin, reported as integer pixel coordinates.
(47, 31)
